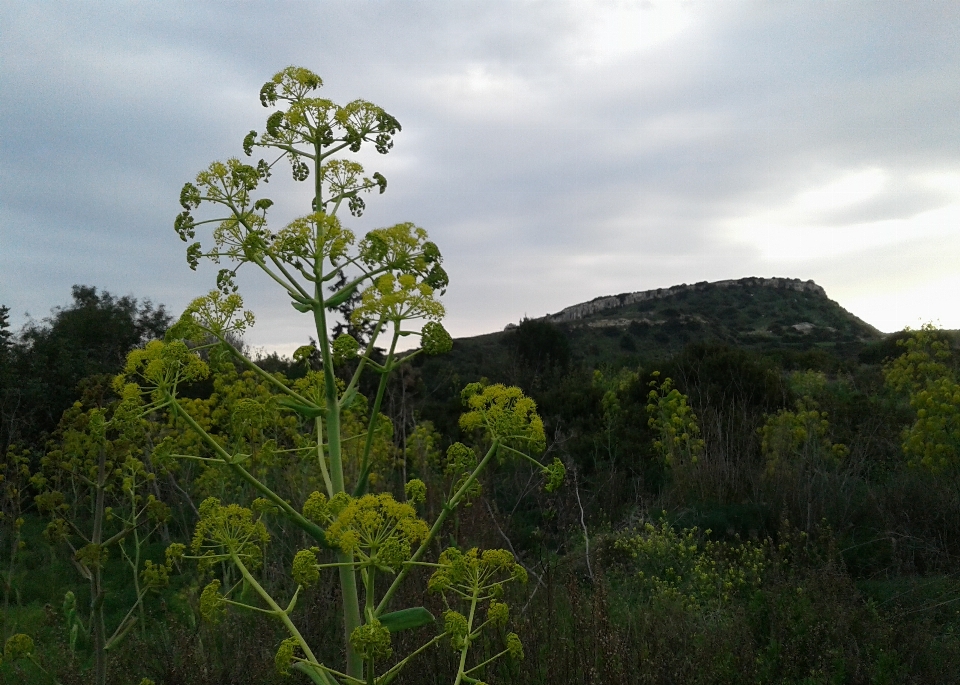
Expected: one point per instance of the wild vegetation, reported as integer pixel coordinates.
(693, 490)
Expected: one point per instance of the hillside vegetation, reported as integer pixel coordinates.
(759, 488)
(734, 482)
(785, 316)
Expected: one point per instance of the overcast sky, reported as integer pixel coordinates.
(556, 151)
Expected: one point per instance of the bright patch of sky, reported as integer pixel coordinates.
(556, 151)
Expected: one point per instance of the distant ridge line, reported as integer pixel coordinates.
(599, 304)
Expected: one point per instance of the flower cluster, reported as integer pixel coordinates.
(372, 640)
(305, 571)
(793, 439)
(475, 574)
(228, 533)
(434, 339)
(212, 605)
(376, 530)
(18, 646)
(681, 567)
(156, 576)
(416, 491)
(286, 653)
(395, 298)
(476, 577)
(505, 414)
(674, 422)
(216, 314)
(160, 367)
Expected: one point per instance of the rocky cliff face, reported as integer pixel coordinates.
(579, 311)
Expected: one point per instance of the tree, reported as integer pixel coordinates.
(9, 399)
(90, 336)
(541, 344)
(5, 333)
(354, 532)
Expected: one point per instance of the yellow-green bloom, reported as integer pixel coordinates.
(284, 658)
(505, 414)
(226, 531)
(378, 530)
(372, 640)
(498, 613)
(212, 606)
(416, 491)
(514, 646)
(18, 646)
(305, 571)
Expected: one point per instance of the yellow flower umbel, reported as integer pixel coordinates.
(228, 533)
(378, 531)
(505, 414)
(510, 421)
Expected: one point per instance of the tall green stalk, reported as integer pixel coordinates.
(397, 276)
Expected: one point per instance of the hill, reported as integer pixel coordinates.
(774, 315)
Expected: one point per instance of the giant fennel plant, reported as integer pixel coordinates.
(394, 275)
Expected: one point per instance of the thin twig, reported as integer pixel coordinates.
(583, 524)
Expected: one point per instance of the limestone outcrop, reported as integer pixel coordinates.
(579, 311)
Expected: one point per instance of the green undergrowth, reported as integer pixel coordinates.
(665, 604)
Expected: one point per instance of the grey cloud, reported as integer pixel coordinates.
(560, 172)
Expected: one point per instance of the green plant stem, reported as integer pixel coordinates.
(466, 640)
(364, 358)
(276, 610)
(288, 275)
(312, 529)
(438, 524)
(394, 671)
(348, 577)
(374, 414)
(97, 626)
(292, 291)
(484, 663)
(369, 577)
(317, 676)
(124, 626)
(351, 613)
(332, 403)
(135, 563)
(321, 459)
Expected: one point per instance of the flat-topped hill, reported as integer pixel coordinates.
(749, 312)
(764, 314)
(599, 304)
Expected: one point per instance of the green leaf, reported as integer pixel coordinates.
(405, 619)
(348, 398)
(302, 307)
(339, 298)
(302, 409)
